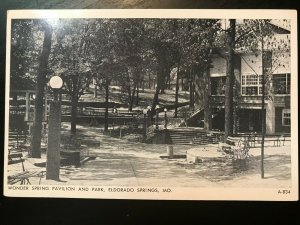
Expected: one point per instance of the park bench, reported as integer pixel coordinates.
(277, 140)
(22, 177)
(254, 139)
(225, 145)
(95, 111)
(101, 112)
(125, 112)
(238, 147)
(70, 142)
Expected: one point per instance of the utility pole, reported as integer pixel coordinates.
(263, 113)
(230, 80)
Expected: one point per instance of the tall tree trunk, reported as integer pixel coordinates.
(236, 94)
(155, 99)
(35, 151)
(163, 85)
(137, 88)
(193, 93)
(129, 97)
(106, 105)
(160, 83)
(167, 83)
(129, 102)
(132, 98)
(143, 86)
(263, 111)
(229, 80)
(95, 89)
(166, 75)
(149, 77)
(74, 101)
(137, 96)
(177, 88)
(74, 105)
(191, 90)
(206, 101)
(263, 120)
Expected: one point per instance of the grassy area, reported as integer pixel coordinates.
(145, 96)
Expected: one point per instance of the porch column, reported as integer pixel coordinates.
(270, 117)
(46, 108)
(27, 106)
(270, 108)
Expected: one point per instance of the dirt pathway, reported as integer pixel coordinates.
(122, 163)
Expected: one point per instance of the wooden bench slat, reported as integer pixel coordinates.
(238, 147)
(23, 176)
(26, 174)
(17, 174)
(15, 155)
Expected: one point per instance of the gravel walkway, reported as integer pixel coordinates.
(120, 162)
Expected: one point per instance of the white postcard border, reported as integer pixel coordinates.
(176, 193)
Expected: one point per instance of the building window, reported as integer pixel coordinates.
(286, 117)
(218, 85)
(281, 83)
(251, 85)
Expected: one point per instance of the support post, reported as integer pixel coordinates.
(46, 108)
(156, 120)
(95, 88)
(27, 106)
(170, 153)
(53, 151)
(166, 119)
(145, 128)
(270, 110)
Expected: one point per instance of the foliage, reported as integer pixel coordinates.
(125, 50)
(70, 55)
(261, 39)
(25, 50)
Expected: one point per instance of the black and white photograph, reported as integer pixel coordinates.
(152, 104)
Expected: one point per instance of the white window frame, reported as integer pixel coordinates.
(284, 112)
(286, 82)
(255, 83)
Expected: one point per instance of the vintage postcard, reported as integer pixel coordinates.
(152, 104)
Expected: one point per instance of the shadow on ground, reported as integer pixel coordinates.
(108, 167)
(275, 166)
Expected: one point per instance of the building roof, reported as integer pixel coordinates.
(283, 24)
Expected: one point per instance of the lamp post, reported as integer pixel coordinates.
(148, 109)
(53, 150)
(166, 119)
(168, 141)
(148, 115)
(156, 117)
(145, 112)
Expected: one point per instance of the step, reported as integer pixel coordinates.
(192, 136)
(15, 137)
